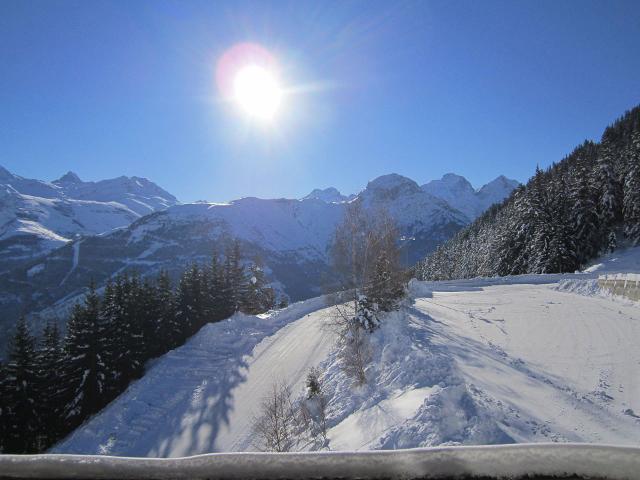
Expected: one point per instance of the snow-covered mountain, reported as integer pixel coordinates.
(460, 194)
(330, 194)
(291, 236)
(137, 194)
(482, 361)
(38, 216)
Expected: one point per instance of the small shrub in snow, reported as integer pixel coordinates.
(313, 383)
(355, 351)
(353, 322)
(313, 410)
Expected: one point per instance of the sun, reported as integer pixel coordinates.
(257, 91)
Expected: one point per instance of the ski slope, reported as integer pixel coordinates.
(201, 397)
(486, 361)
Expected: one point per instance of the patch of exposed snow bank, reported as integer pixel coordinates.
(414, 396)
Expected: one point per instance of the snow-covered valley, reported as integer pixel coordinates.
(485, 361)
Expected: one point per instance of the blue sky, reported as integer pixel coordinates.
(480, 88)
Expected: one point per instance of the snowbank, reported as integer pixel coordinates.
(588, 288)
(504, 461)
(414, 395)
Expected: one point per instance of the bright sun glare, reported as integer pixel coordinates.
(257, 91)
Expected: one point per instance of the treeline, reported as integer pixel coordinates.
(50, 385)
(563, 217)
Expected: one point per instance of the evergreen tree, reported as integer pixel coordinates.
(612, 242)
(189, 303)
(168, 330)
(215, 301)
(121, 319)
(562, 246)
(259, 297)
(150, 319)
(631, 201)
(385, 287)
(85, 372)
(4, 407)
(610, 205)
(135, 350)
(235, 281)
(111, 314)
(586, 225)
(49, 364)
(21, 384)
(366, 314)
(541, 254)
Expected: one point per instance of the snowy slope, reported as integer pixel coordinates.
(458, 192)
(546, 365)
(486, 361)
(53, 221)
(201, 397)
(38, 216)
(136, 193)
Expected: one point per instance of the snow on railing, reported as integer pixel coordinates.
(503, 461)
(623, 284)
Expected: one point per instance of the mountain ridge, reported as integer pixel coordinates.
(291, 236)
(460, 194)
(38, 216)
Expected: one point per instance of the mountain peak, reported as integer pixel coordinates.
(460, 194)
(391, 181)
(69, 177)
(500, 183)
(5, 174)
(451, 180)
(453, 177)
(451, 188)
(329, 195)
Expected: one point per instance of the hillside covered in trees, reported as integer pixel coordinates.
(580, 207)
(51, 384)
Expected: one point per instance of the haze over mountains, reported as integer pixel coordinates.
(58, 236)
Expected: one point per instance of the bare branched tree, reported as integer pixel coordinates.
(275, 425)
(365, 259)
(365, 242)
(353, 341)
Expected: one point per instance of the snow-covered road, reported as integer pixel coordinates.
(549, 365)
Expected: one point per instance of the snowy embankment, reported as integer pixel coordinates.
(201, 397)
(483, 361)
(504, 461)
